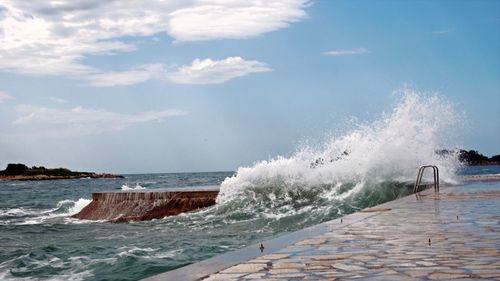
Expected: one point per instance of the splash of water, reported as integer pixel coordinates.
(64, 209)
(388, 150)
(137, 187)
(77, 206)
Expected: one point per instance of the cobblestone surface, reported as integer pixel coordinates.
(451, 235)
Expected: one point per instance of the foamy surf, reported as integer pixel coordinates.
(14, 212)
(64, 208)
(136, 187)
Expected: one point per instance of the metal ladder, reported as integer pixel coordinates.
(421, 173)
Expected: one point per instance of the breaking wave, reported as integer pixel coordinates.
(63, 209)
(372, 163)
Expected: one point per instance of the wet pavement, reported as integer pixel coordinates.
(454, 234)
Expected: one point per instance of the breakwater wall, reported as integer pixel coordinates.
(139, 205)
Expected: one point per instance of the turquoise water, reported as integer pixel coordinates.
(38, 240)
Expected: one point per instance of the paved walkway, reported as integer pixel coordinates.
(453, 235)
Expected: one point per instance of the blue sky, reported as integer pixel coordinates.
(211, 85)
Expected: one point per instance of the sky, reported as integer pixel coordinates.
(211, 85)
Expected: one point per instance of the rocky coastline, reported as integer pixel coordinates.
(48, 177)
(473, 157)
(21, 172)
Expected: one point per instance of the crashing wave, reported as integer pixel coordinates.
(371, 161)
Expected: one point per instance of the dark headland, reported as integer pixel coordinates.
(474, 158)
(22, 172)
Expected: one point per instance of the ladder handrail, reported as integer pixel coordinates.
(421, 173)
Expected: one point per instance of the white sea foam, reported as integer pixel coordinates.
(13, 212)
(64, 208)
(147, 253)
(21, 212)
(78, 206)
(164, 255)
(69, 207)
(389, 149)
(137, 187)
(67, 273)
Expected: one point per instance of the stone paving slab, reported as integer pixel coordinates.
(450, 235)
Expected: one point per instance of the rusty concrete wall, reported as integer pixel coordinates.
(145, 205)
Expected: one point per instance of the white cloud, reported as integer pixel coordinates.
(81, 120)
(124, 78)
(58, 100)
(442, 31)
(40, 44)
(55, 37)
(209, 71)
(217, 19)
(357, 51)
(4, 96)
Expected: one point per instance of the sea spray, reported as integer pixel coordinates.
(78, 206)
(137, 187)
(68, 207)
(371, 155)
(64, 208)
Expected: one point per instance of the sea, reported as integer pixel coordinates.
(368, 164)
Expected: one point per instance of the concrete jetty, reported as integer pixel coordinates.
(434, 236)
(139, 205)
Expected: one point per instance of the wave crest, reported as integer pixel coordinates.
(387, 150)
(64, 209)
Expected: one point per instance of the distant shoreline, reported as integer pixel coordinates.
(21, 172)
(485, 163)
(50, 177)
(472, 157)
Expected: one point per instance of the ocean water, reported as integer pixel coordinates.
(369, 164)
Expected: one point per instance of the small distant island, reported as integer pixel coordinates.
(22, 172)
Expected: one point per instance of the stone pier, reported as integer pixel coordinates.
(139, 205)
(454, 234)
